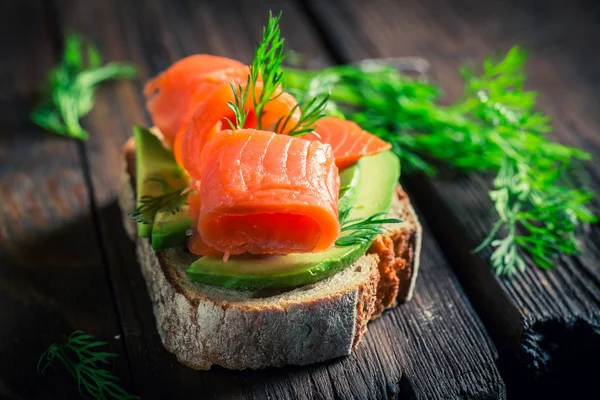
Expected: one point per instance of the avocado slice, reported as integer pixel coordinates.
(349, 178)
(378, 176)
(157, 174)
(169, 230)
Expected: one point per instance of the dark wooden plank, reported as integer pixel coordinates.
(433, 347)
(52, 281)
(549, 322)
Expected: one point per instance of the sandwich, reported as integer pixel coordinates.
(269, 231)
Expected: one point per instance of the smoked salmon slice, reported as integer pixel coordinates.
(265, 193)
(173, 95)
(212, 115)
(195, 243)
(348, 140)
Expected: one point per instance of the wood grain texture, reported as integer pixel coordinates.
(52, 281)
(433, 347)
(548, 322)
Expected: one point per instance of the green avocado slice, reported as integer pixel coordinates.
(169, 230)
(349, 178)
(157, 174)
(378, 176)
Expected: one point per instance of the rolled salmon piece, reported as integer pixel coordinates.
(265, 193)
(173, 95)
(213, 116)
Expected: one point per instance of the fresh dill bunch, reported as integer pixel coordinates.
(539, 211)
(171, 200)
(374, 97)
(361, 230)
(72, 86)
(495, 118)
(85, 362)
(492, 128)
(539, 215)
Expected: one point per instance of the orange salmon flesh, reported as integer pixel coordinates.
(265, 193)
(257, 191)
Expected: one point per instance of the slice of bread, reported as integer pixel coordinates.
(205, 325)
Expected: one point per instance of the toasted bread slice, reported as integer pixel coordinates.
(206, 325)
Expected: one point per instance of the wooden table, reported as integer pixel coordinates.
(66, 262)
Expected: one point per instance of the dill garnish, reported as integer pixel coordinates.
(311, 112)
(82, 358)
(266, 70)
(266, 66)
(361, 230)
(240, 95)
(170, 201)
(72, 86)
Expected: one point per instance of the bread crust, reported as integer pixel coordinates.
(398, 251)
(206, 325)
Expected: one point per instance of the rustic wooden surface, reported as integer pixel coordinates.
(66, 263)
(546, 324)
(52, 278)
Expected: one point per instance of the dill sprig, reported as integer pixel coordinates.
(170, 201)
(540, 222)
(240, 96)
(310, 113)
(72, 86)
(493, 127)
(266, 67)
(82, 358)
(361, 230)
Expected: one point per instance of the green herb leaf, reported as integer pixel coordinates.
(240, 95)
(361, 230)
(72, 86)
(170, 201)
(83, 361)
(266, 66)
(493, 127)
(311, 112)
(539, 220)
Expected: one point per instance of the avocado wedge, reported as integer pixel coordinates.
(157, 174)
(349, 178)
(169, 229)
(376, 179)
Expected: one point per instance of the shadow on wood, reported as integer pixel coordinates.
(50, 286)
